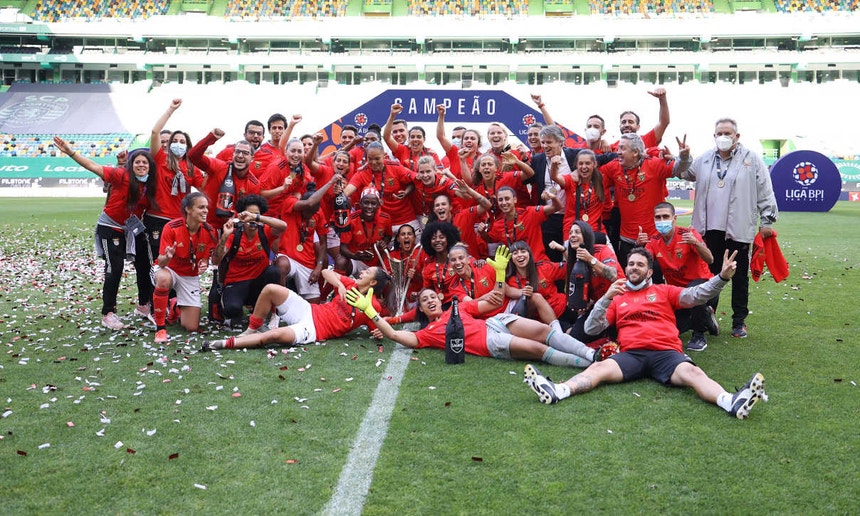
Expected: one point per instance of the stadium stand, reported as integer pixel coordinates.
(818, 6)
(41, 145)
(58, 10)
(285, 8)
(468, 8)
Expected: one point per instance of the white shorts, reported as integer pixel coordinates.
(297, 314)
(499, 336)
(302, 275)
(187, 289)
(332, 239)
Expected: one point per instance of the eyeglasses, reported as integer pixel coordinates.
(242, 152)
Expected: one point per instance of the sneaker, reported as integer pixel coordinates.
(697, 342)
(541, 385)
(209, 346)
(161, 337)
(713, 324)
(605, 351)
(173, 311)
(110, 320)
(145, 312)
(744, 399)
(739, 331)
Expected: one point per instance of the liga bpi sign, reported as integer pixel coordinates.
(805, 180)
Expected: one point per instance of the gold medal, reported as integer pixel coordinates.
(300, 248)
(424, 220)
(721, 183)
(631, 197)
(585, 217)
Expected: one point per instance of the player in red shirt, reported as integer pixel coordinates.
(302, 252)
(410, 150)
(186, 246)
(226, 181)
(650, 347)
(476, 217)
(119, 230)
(285, 176)
(246, 267)
(503, 336)
(682, 259)
(368, 234)
(521, 223)
(629, 122)
(307, 323)
(472, 278)
(391, 181)
(467, 150)
(536, 281)
(586, 198)
(437, 239)
(428, 184)
(254, 135)
(640, 182)
(405, 263)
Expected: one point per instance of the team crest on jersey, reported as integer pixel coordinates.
(542, 283)
(360, 119)
(390, 181)
(521, 227)
(529, 119)
(359, 232)
(259, 246)
(484, 282)
(312, 224)
(651, 297)
(257, 165)
(679, 254)
(201, 247)
(641, 175)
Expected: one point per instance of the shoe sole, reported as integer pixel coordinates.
(756, 393)
(531, 376)
(703, 348)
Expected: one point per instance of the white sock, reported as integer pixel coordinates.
(555, 325)
(724, 401)
(562, 390)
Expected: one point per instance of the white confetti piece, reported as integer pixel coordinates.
(200, 486)
(637, 394)
(301, 400)
(45, 445)
(212, 407)
(100, 433)
(853, 383)
(432, 388)
(179, 402)
(118, 445)
(350, 379)
(513, 373)
(150, 433)
(253, 423)
(44, 405)
(7, 414)
(609, 431)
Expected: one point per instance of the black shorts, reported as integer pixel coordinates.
(641, 363)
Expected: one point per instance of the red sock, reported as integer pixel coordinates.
(159, 306)
(231, 341)
(254, 322)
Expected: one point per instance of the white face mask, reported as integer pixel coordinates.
(592, 134)
(457, 141)
(178, 149)
(724, 142)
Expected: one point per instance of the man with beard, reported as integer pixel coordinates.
(644, 314)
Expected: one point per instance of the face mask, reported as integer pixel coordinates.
(142, 179)
(592, 134)
(178, 149)
(456, 141)
(664, 227)
(724, 143)
(640, 286)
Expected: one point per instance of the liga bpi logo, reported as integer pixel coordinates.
(360, 119)
(805, 173)
(529, 119)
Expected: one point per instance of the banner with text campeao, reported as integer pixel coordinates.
(805, 181)
(462, 108)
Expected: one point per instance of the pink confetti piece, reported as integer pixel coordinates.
(70, 424)
(236, 395)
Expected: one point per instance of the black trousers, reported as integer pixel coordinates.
(113, 243)
(718, 244)
(695, 318)
(235, 296)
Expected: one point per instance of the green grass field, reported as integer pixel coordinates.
(96, 422)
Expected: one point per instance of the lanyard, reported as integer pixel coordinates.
(507, 233)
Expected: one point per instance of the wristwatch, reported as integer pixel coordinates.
(593, 261)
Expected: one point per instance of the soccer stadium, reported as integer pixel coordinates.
(102, 421)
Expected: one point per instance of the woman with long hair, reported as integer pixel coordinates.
(119, 230)
(437, 240)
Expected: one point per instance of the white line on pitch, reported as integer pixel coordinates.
(355, 478)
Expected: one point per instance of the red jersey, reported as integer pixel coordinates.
(258, 163)
(526, 226)
(116, 205)
(424, 195)
(440, 277)
(433, 336)
(637, 191)
(547, 274)
(512, 179)
(679, 262)
(482, 281)
(590, 208)
(297, 241)
(408, 160)
(251, 259)
(361, 234)
(216, 171)
(598, 284)
(265, 156)
(465, 221)
(646, 319)
(276, 174)
(190, 251)
(391, 180)
(336, 318)
(649, 139)
(169, 203)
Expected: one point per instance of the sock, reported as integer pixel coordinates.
(230, 342)
(555, 325)
(564, 342)
(562, 390)
(724, 401)
(159, 307)
(254, 322)
(560, 358)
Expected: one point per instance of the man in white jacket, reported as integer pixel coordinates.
(734, 198)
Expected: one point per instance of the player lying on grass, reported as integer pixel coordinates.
(505, 336)
(307, 323)
(644, 314)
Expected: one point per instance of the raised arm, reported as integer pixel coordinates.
(363, 303)
(155, 137)
(543, 111)
(288, 132)
(440, 128)
(663, 122)
(396, 109)
(79, 158)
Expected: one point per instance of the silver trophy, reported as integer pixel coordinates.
(398, 270)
